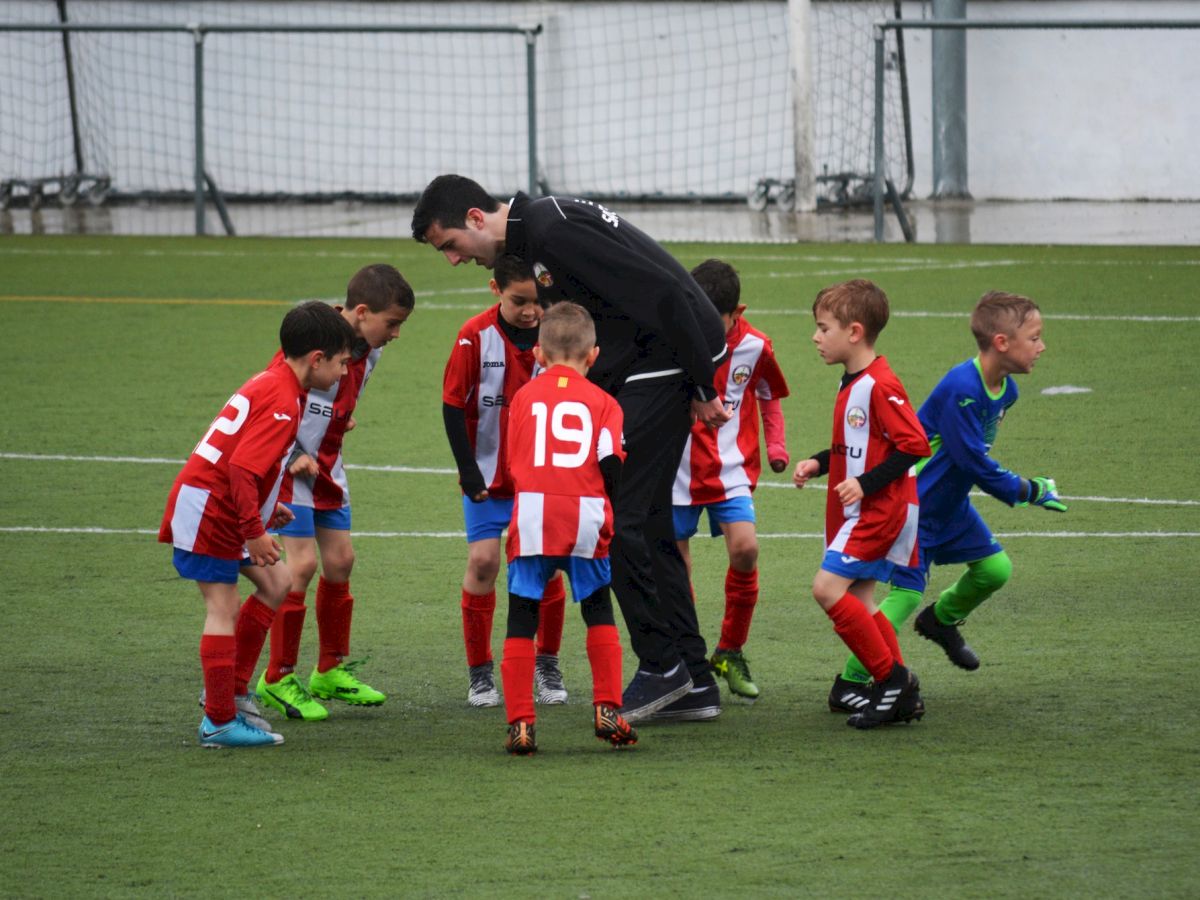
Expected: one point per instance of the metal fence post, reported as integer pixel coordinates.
(531, 106)
(198, 103)
(877, 186)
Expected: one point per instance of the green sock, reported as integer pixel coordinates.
(982, 579)
(897, 606)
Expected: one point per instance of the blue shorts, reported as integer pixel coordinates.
(527, 575)
(857, 569)
(308, 520)
(198, 567)
(971, 541)
(735, 509)
(487, 519)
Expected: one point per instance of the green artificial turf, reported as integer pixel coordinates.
(1065, 766)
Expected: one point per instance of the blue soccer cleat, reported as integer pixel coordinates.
(238, 733)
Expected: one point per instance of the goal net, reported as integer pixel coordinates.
(657, 100)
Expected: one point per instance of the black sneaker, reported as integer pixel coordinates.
(897, 699)
(648, 692)
(848, 696)
(702, 702)
(948, 638)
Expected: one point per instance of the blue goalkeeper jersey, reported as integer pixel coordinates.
(961, 417)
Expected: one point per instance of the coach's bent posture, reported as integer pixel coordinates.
(659, 340)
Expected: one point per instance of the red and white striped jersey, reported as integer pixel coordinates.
(254, 431)
(872, 418)
(485, 370)
(725, 462)
(561, 427)
(322, 431)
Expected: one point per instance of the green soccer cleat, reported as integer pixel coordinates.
(732, 666)
(291, 698)
(340, 683)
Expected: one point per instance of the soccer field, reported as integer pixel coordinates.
(1066, 766)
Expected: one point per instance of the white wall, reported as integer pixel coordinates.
(1062, 114)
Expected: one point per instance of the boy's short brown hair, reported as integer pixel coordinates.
(858, 300)
(379, 287)
(567, 332)
(999, 312)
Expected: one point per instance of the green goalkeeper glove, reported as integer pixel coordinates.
(1043, 492)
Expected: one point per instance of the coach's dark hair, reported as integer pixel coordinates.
(379, 287)
(314, 325)
(720, 281)
(510, 268)
(445, 202)
(567, 332)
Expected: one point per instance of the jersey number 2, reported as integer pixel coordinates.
(582, 437)
(225, 426)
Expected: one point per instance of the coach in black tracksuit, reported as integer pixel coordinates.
(660, 339)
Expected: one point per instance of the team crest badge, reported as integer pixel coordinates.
(542, 274)
(741, 374)
(856, 417)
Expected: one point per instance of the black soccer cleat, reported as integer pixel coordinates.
(521, 740)
(897, 699)
(848, 696)
(948, 638)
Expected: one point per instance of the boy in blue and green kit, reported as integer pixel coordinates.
(961, 418)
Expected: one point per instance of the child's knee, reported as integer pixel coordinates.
(743, 555)
(483, 565)
(338, 566)
(992, 573)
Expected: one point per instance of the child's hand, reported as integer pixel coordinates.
(849, 491)
(304, 466)
(350, 423)
(778, 465)
(805, 469)
(263, 550)
(1044, 493)
(282, 516)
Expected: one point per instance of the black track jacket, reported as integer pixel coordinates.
(653, 322)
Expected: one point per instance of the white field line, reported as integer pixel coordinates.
(459, 535)
(431, 470)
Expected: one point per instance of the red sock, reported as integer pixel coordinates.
(217, 652)
(285, 636)
(604, 654)
(253, 622)
(888, 631)
(855, 626)
(741, 595)
(477, 612)
(550, 616)
(516, 674)
(334, 609)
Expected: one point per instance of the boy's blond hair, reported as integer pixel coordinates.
(998, 312)
(858, 300)
(567, 332)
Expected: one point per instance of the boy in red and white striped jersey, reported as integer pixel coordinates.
(315, 489)
(871, 506)
(565, 459)
(492, 358)
(719, 472)
(223, 501)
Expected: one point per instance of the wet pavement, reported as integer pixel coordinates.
(957, 222)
